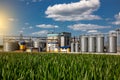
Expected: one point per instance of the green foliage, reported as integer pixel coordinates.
(24, 66)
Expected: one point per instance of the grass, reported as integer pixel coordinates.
(24, 66)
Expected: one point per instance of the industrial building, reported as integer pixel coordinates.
(58, 41)
(24, 43)
(118, 40)
(63, 42)
(112, 43)
(52, 42)
(75, 45)
(95, 43)
(65, 39)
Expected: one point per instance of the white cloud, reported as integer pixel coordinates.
(30, 27)
(26, 23)
(12, 19)
(21, 31)
(21, 0)
(82, 10)
(108, 19)
(31, 0)
(84, 30)
(27, 27)
(36, 0)
(41, 33)
(93, 31)
(86, 27)
(27, 3)
(23, 28)
(117, 17)
(47, 26)
(112, 31)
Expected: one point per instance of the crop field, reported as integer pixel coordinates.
(44, 66)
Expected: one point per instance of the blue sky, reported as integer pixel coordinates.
(38, 17)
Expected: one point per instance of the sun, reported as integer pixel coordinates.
(4, 23)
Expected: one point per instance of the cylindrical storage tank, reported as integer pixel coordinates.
(72, 47)
(76, 47)
(112, 43)
(36, 44)
(84, 43)
(100, 43)
(10, 46)
(118, 40)
(91, 43)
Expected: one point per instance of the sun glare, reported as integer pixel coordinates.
(4, 23)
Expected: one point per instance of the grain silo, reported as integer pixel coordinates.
(76, 46)
(112, 43)
(10, 46)
(91, 43)
(118, 39)
(64, 39)
(72, 47)
(84, 43)
(100, 43)
(36, 44)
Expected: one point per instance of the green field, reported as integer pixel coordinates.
(24, 66)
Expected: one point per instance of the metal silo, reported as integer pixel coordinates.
(112, 43)
(91, 43)
(118, 39)
(36, 44)
(100, 43)
(72, 47)
(76, 47)
(11, 46)
(84, 43)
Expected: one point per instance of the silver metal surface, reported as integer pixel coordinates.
(118, 40)
(112, 43)
(36, 44)
(72, 47)
(76, 47)
(10, 46)
(62, 40)
(100, 43)
(84, 43)
(65, 39)
(91, 43)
